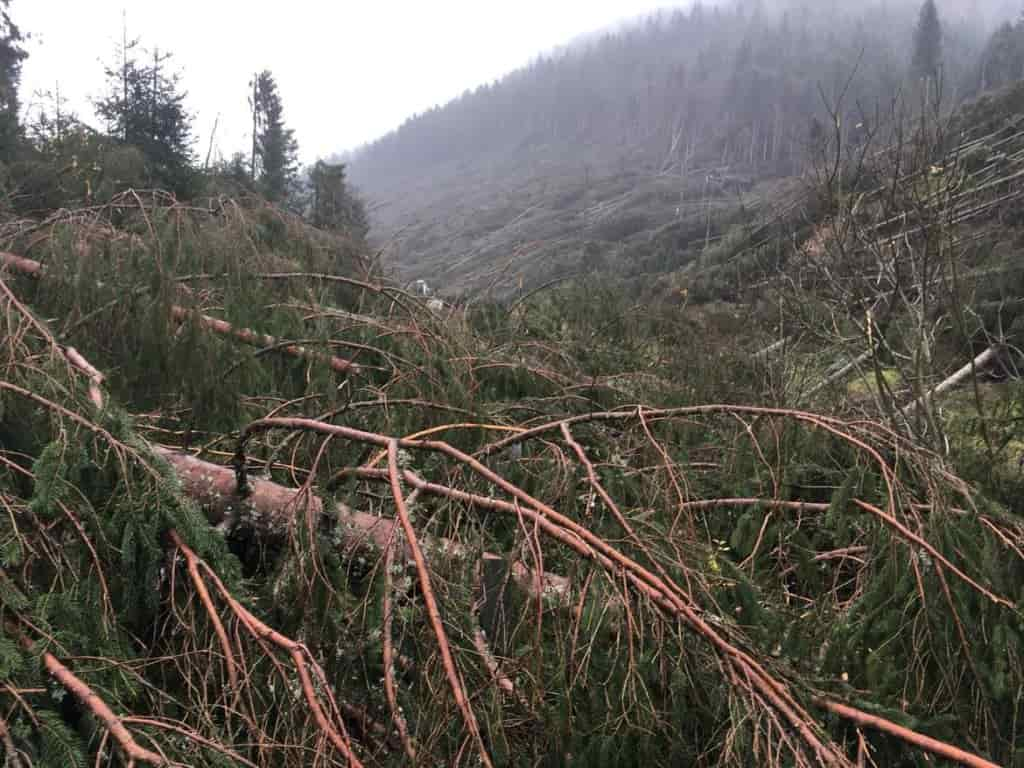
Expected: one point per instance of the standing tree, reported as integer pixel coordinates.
(165, 133)
(11, 56)
(1002, 61)
(145, 109)
(52, 121)
(927, 56)
(333, 206)
(236, 170)
(275, 151)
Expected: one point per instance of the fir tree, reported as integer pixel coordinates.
(11, 57)
(927, 56)
(1002, 61)
(236, 170)
(52, 122)
(275, 151)
(333, 206)
(144, 108)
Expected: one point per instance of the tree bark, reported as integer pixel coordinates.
(980, 363)
(268, 509)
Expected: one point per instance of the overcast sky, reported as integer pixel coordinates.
(347, 71)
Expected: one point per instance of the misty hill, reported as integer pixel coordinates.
(635, 148)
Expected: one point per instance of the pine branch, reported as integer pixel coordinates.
(427, 591)
(91, 701)
(300, 655)
(927, 743)
(248, 336)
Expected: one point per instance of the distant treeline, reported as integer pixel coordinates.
(51, 158)
(738, 83)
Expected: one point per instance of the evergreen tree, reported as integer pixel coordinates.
(333, 206)
(236, 170)
(52, 122)
(145, 108)
(11, 56)
(275, 151)
(927, 56)
(1002, 61)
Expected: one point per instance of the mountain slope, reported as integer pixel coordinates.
(671, 121)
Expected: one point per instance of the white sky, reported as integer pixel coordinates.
(348, 70)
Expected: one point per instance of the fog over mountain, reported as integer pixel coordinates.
(734, 85)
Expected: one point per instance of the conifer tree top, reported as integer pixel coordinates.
(927, 57)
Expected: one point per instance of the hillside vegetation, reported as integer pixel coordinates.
(633, 149)
(262, 506)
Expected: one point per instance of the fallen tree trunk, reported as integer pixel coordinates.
(979, 363)
(35, 269)
(766, 352)
(269, 509)
(262, 340)
(835, 376)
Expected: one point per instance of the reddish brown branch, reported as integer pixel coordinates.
(191, 735)
(609, 502)
(91, 701)
(299, 655)
(262, 340)
(927, 743)
(770, 689)
(908, 534)
(433, 614)
(70, 353)
(591, 546)
(211, 612)
(389, 653)
(11, 755)
(120, 447)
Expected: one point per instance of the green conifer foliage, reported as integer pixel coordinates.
(275, 151)
(145, 108)
(675, 578)
(333, 205)
(11, 57)
(927, 44)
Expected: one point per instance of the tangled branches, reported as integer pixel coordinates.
(470, 553)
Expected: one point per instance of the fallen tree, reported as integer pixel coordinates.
(229, 618)
(270, 510)
(34, 269)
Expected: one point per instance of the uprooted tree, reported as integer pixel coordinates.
(260, 507)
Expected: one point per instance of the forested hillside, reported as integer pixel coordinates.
(685, 120)
(747, 490)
